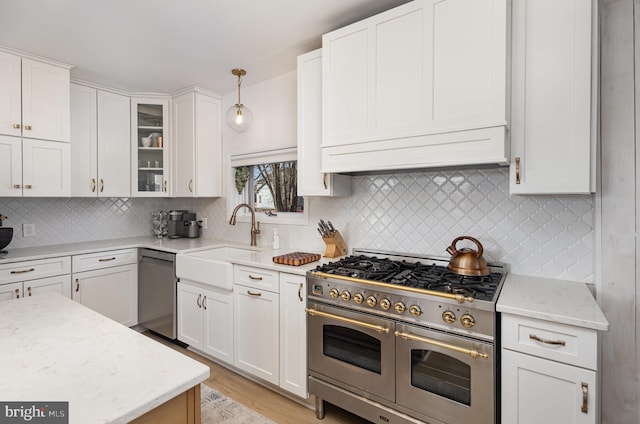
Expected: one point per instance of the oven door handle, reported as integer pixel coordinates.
(378, 328)
(471, 352)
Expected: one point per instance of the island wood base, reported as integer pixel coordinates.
(182, 409)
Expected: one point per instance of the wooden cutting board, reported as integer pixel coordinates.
(296, 258)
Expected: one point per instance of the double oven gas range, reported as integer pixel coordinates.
(397, 338)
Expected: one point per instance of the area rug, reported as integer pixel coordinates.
(219, 409)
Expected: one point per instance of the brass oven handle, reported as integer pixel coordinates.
(300, 293)
(471, 352)
(457, 297)
(517, 170)
(113, 258)
(585, 399)
(378, 328)
(549, 342)
(24, 271)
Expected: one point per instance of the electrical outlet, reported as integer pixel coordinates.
(28, 230)
(204, 223)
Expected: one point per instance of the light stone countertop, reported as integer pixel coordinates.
(564, 302)
(55, 349)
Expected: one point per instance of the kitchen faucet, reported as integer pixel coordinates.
(255, 229)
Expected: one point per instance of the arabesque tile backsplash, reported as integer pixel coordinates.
(417, 212)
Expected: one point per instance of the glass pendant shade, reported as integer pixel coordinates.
(239, 117)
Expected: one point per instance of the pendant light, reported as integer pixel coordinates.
(239, 117)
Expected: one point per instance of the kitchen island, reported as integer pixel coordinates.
(54, 349)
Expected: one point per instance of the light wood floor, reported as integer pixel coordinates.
(268, 403)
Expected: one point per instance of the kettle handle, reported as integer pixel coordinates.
(452, 249)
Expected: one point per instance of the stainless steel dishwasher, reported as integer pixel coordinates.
(157, 292)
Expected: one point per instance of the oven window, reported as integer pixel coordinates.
(352, 347)
(441, 374)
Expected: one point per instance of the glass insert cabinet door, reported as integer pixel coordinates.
(150, 147)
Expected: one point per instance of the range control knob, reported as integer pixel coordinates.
(399, 307)
(334, 293)
(415, 310)
(358, 298)
(385, 304)
(467, 321)
(372, 301)
(449, 317)
(346, 295)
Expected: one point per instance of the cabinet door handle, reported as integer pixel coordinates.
(28, 186)
(107, 259)
(17, 186)
(165, 186)
(585, 398)
(517, 170)
(198, 301)
(300, 292)
(23, 271)
(77, 285)
(27, 127)
(101, 185)
(324, 180)
(16, 126)
(191, 185)
(545, 341)
(29, 291)
(204, 302)
(250, 293)
(255, 278)
(93, 185)
(17, 293)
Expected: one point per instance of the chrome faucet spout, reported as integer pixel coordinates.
(255, 229)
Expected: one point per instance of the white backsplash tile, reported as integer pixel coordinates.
(418, 212)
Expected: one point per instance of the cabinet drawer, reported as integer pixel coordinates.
(107, 259)
(30, 270)
(256, 277)
(559, 342)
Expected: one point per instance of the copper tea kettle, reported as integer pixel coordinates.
(467, 261)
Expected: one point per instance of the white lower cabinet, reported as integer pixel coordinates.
(293, 334)
(549, 372)
(205, 320)
(256, 332)
(109, 290)
(270, 327)
(59, 284)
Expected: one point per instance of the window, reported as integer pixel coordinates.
(268, 182)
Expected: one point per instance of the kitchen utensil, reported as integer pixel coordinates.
(467, 261)
(296, 258)
(6, 235)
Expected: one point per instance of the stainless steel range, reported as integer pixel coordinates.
(397, 338)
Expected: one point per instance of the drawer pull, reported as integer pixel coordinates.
(27, 127)
(250, 293)
(24, 271)
(17, 293)
(198, 301)
(545, 341)
(16, 126)
(585, 398)
(28, 186)
(255, 278)
(107, 259)
(29, 291)
(204, 302)
(17, 186)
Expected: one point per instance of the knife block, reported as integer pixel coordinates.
(335, 246)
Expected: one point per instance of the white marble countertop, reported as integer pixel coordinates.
(55, 349)
(565, 302)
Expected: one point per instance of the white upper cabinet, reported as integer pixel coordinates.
(100, 139)
(34, 99)
(311, 181)
(421, 85)
(553, 99)
(197, 135)
(10, 166)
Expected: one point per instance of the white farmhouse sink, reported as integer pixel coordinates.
(209, 266)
